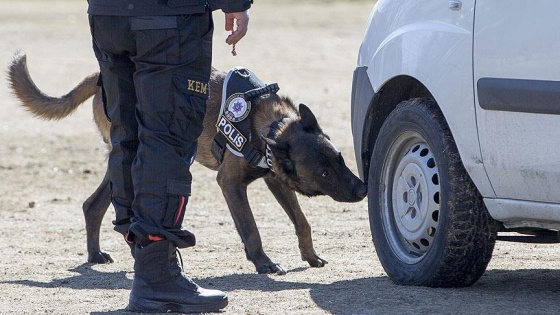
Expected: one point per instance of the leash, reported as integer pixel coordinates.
(233, 52)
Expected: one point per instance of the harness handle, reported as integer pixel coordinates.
(267, 89)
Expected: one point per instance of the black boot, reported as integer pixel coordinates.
(160, 286)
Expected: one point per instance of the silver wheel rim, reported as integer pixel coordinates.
(411, 199)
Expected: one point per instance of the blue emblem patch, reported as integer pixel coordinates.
(237, 107)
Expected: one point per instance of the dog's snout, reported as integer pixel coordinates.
(355, 191)
(362, 190)
(359, 190)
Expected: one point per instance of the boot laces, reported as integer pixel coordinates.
(180, 259)
(183, 277)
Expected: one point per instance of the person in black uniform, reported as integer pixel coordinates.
(155, 62)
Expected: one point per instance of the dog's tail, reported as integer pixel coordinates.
(40, 104)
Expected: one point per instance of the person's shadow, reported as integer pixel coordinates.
(87, 278)
(524, 291)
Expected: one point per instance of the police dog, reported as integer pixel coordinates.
(303, 160)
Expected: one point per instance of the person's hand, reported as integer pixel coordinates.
(241, 20)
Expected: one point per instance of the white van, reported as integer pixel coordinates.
(456, 127)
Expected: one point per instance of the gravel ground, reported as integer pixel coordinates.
(48, 169)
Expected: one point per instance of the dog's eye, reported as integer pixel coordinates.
(325, 173)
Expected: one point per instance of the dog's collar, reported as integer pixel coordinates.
(274, 127)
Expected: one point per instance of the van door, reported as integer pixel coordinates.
(517, 90)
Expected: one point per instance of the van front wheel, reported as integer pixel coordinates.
(429, 224)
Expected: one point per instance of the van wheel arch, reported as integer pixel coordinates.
(393, 92)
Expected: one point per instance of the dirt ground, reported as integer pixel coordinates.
(48, 169)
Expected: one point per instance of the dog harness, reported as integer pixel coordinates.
(241, 86)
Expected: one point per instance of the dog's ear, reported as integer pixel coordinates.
(308, 120)
(281, 152)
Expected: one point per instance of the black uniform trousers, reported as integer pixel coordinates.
(155, 72)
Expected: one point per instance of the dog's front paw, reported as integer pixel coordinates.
(271, 268)
(316, 262)
(100, 258)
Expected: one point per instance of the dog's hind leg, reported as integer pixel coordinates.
(94, 209)
(288, 200)
(235, 192)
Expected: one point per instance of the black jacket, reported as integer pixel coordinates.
(164, 7)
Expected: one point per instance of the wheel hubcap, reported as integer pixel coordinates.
(411, 212)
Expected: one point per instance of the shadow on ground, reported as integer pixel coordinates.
(503, 290)
(86, 279)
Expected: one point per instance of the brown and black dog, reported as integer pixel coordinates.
(303, 160)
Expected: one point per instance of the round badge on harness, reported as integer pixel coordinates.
(237, 107)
